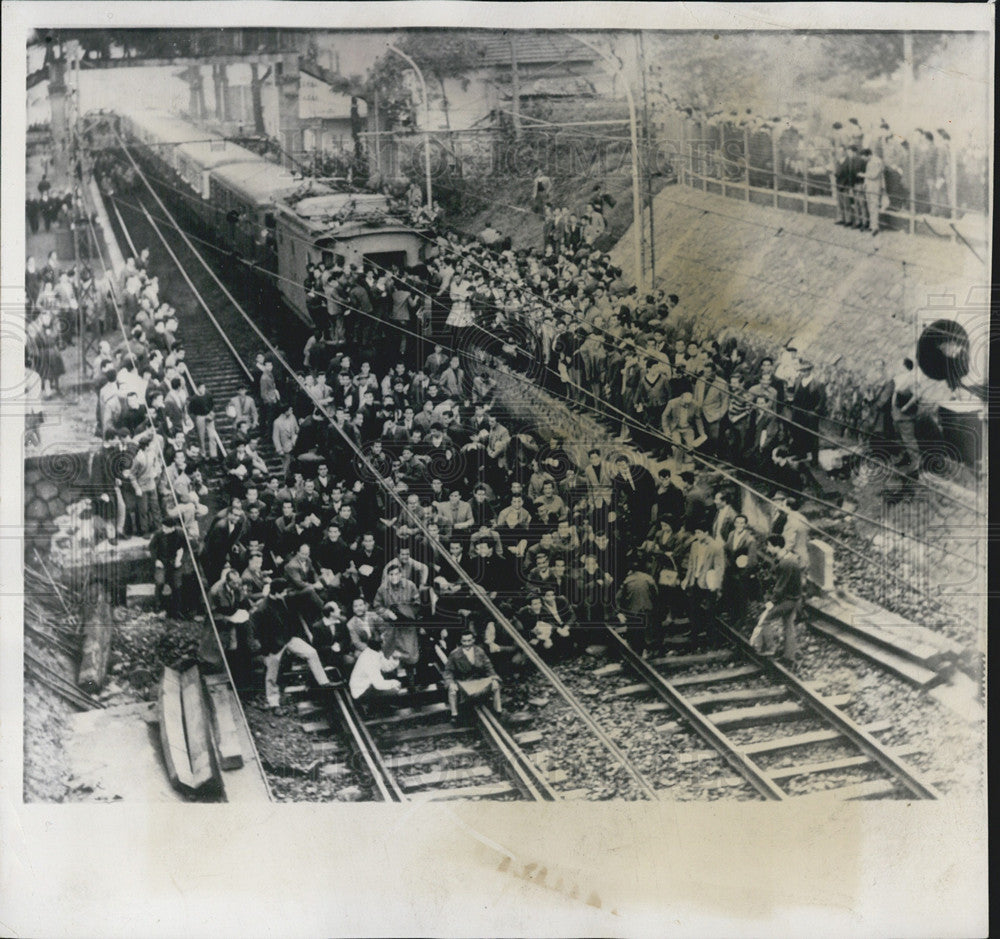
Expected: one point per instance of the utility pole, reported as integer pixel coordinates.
(647, 160)
(614, 67)
(427, 118)
(515, 88)
(378, 144)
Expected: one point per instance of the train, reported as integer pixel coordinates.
(277, 221)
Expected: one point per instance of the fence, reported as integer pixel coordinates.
(788, 170)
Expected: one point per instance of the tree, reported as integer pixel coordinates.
(874, 54)
(256, 83)
(444, 54)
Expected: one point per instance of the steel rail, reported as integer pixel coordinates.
(199, 574)
(528, 778)
(365, 745)
(712, 735)
(524, 774)
(895, 767)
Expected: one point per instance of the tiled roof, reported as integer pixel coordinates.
(533, 47)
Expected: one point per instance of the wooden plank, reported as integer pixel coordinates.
(424, 733)
(527, 737)
(556, 776)
(611, 669)
(737, 694)
(641, 688)
(847, 762)
(432, 712)
(803, 740)
(170, 712)
(696, 658)
(484, 791)
(901, 639)
(224, 724)
(201, 749)
(858, 614)
(97, 627)
(726, 674)
(572, 795)
(139, 591)
(911, 672)
(722, 782)
(429, 756)
(297, 689)
(437, 777)
(787, 710)
(305, 708)
(862, 790)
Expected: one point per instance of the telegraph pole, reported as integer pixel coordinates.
(647, 160)
(515, 88)
(378, 145)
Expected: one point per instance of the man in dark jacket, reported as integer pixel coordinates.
(469, 668)
(225, 541)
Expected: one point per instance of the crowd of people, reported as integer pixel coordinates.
(919, 165)
(407, 489)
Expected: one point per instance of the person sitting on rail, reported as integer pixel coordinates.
(231, 612)
(239, 471)
(303, 582)
(531, 620)
(332, 640)
(278, 631)
(225, 540)
(557, 611)
(242, 407)
(370, 688)
(397, 603)
(166, 548)
(255, 579)
(469, 670)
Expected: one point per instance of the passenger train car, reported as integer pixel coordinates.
(253, 207)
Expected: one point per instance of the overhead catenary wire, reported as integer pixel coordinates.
(619, 756)
(802, 494)
(646, 429)
(106, 265)
(659, 355)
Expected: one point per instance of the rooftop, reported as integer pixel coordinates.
(533, 47)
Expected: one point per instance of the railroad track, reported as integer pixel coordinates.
(734, 698)
(218, 345)
(415, 754)
(399, 753)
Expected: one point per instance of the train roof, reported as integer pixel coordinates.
(341, 203)
(262, 181)
(169, 128)
(217, 153)
(342, 213)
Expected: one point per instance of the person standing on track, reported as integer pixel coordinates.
(284, 435)
(777, 623)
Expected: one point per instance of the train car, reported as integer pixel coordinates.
(196, 161)
(161, 134)
(347, 228)
(258, 210)
(243, 199)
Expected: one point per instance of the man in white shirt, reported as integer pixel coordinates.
(369, 685)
